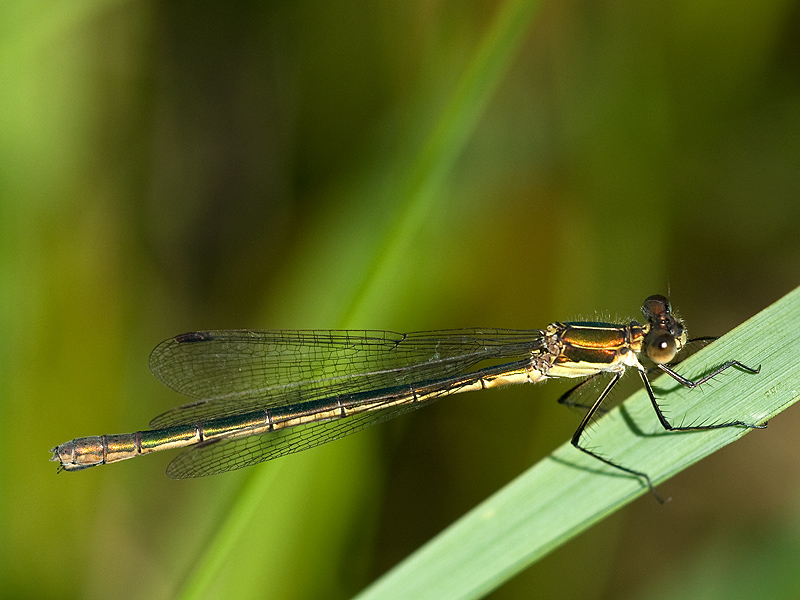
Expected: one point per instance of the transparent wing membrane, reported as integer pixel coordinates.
(236, 371)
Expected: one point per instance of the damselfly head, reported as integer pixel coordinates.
(666, 335)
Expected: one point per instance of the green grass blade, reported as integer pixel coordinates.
(567, 492)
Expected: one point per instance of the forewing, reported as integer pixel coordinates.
(235, 371)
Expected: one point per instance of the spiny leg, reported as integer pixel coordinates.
(566, 398)
(576, 437)
(693, 384)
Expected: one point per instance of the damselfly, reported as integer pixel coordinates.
(265, 394)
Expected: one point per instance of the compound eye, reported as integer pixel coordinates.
(662, 348)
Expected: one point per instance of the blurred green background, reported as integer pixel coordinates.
(166, 167)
